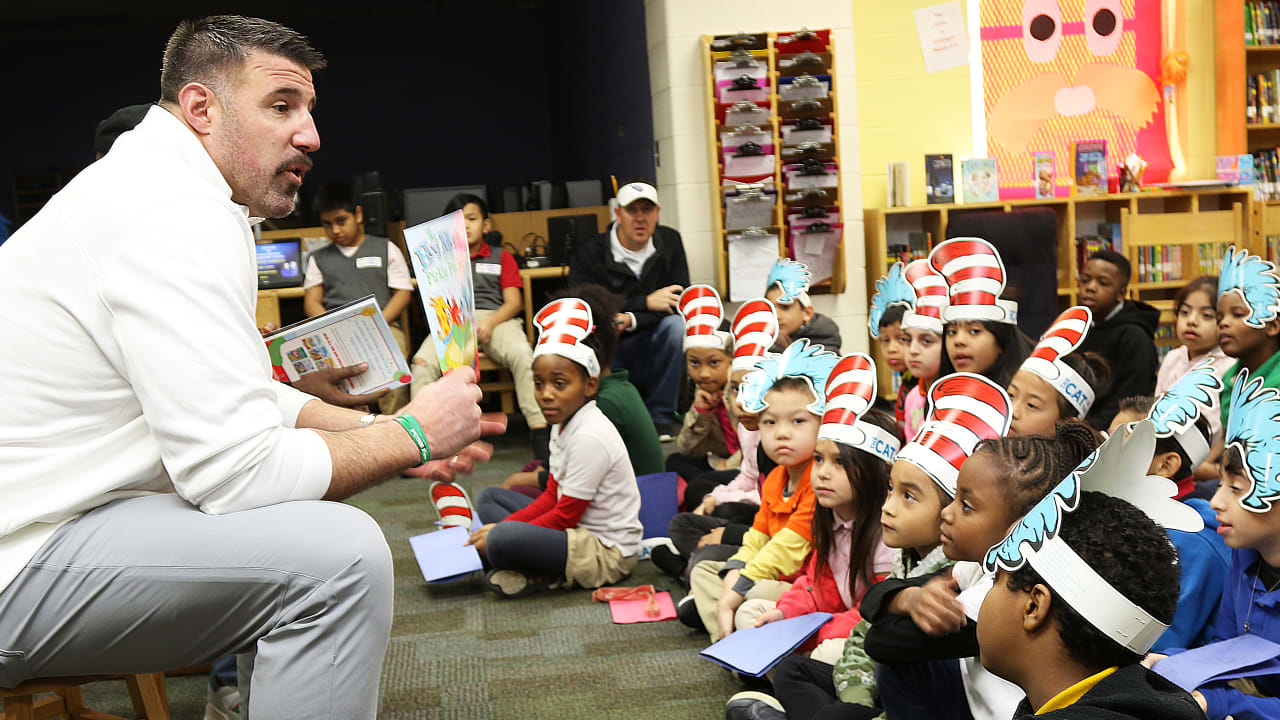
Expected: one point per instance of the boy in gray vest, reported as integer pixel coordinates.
(356, 264)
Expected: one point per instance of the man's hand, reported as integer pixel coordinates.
(665, 299)
(268, 329)
(449, 414)
(712, 538)
(622, 321)
(704, 401)
(480, 537)
(773, 615)
(933, 607)
(705, 507)
(484, 331)
(448, 469)
(323, 383)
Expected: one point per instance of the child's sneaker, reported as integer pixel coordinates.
(752, 705)
(687, 613)
(452, 504)
(222, 702)
(514, 584)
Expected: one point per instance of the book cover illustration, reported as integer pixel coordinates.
(1090, 167)
(347, 335)
(1044, 176)
(939, 180)
(979, 179)
(442, 264)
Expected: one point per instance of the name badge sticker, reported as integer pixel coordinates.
(489, 268)
(368, 262)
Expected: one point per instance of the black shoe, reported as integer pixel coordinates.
(687, 613)
(667, 431)
(668, 561)
(753, 706)
(540, 438)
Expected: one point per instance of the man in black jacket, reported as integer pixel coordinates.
(644, 265)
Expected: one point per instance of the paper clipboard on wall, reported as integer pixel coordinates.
(752, 253)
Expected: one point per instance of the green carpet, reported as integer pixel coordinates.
(459, 652)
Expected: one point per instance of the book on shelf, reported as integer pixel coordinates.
(1042, 163)
(1273, 248)
(940, 185)
(1261, 23)
(1176, 263)
(1089, 162)
(979, 179)
(1266, 174)
(1263, 98)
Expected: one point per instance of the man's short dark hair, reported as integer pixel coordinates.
(208, 49)
(1121, 262)
(1131, 553)
(462, 200)
(334, 196)
(117, 124)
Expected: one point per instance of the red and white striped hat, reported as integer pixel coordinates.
(755, 329)
(702, 311)
(851, 390)
(964, 409)
(1063, 336)
(562, 324)
(931, 297)
(975, 278)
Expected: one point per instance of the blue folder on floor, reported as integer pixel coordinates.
(658, 502)
(754, 651)
(442, 555)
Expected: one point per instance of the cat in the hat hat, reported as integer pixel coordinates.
(1055, 382)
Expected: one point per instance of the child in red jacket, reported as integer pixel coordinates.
(850, 475)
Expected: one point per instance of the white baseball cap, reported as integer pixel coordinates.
(632, 192)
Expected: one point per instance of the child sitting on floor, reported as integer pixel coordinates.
(584, 529)
(922, 328)
(788, 289)
(1248, 321)
(1196, 327)
(783, 391)
(894, 298)
(1053, 385)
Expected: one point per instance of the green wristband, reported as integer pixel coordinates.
(419, 437)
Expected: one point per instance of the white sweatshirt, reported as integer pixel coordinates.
(129, 359)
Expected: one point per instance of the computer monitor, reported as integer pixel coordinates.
(423, 204)
(279, 263)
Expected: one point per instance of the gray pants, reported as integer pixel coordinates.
(301, 591)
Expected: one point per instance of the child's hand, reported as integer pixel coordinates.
(521, 479)
(706, 506)
(773, 615)
(933, 607)
(704, 401)
(479, 538)
(1204, 704)
(1151, 659)
(483, 332)
(728, 605)
(712, 538)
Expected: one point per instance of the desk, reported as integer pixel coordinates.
(527, 275)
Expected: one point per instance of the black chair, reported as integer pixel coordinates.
(1027, 240)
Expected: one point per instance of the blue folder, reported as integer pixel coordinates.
(443, 557)
(754, 651)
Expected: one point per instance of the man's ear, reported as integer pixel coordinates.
(1035, 610)
(200, 107)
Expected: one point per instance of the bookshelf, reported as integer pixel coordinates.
(1167, 220)
(780, 52)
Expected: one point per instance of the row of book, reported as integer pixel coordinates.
(1087, 245)
(1170, 263)
(1273, 248)
(1262, 104)
(1266, 172)
(1261, 23)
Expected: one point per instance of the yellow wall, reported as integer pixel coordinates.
(905, 113)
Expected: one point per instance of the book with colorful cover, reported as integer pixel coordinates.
(1090, 163)
(1044, 174)
(347, 335)
(980, 180)
(442, 264)
(940, 184)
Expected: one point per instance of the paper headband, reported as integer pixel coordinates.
(755, 329)
(1116, 469)
(702, 312)
(1175, 413)
(975, 278)
(793, 278)
(810, 363)
(562, 325)
(1253, 429)
(1063, 336)
(850, 392)
(930, 290)
(892, 289)
(964, 409)
(1257, 283)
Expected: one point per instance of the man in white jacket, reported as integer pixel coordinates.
(157, 490)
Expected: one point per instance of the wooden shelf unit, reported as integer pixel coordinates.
(1175, 217)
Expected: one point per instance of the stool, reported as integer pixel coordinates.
(499, 381)
(150, 700)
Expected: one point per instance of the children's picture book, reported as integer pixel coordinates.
(1090, 162)
(444, 556)
(753, 651)
(442, 264)
(979, 180)
(1044, 176)
(347, 335)
(940, 186)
